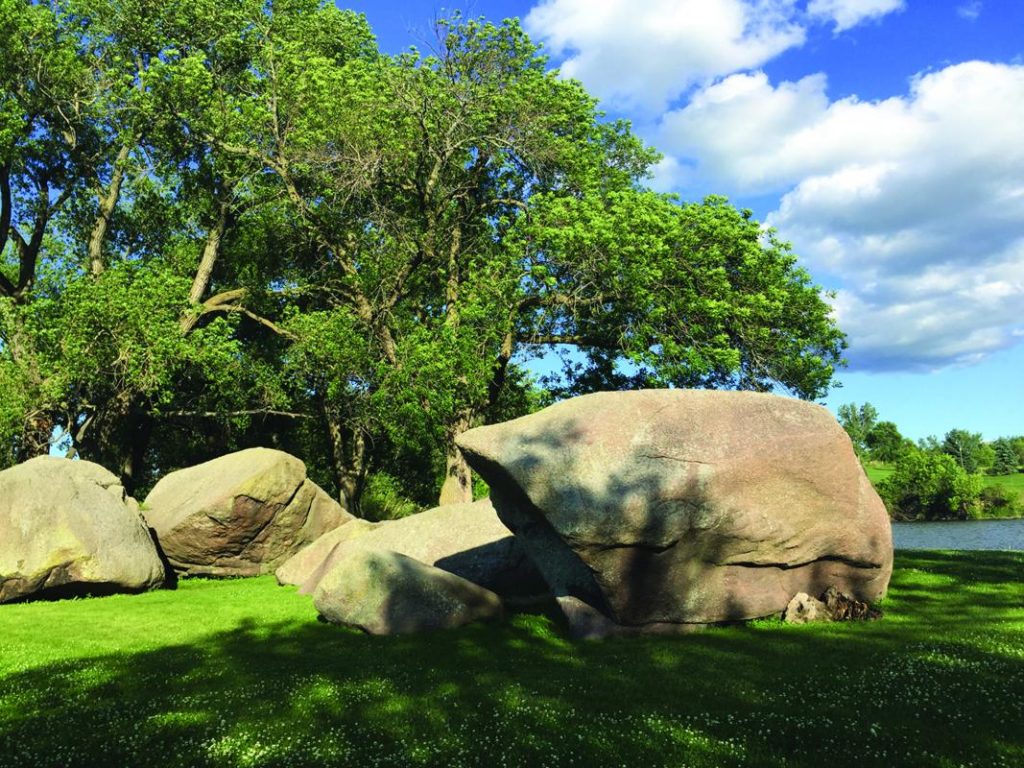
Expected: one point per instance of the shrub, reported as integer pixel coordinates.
(997, 501)
(382, 499)
(930, 486)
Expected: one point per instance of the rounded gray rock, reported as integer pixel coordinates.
(386, 593)
(69, 528)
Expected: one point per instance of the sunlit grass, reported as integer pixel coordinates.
(1013, 483)
(877, 472)
(240, 673)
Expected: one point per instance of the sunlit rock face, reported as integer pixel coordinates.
(68, 528)
(241, 514)
(659, 510)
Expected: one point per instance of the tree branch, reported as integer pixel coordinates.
(226, 414)
(106, 209)
(229, 301)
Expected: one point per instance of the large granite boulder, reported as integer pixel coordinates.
(467, 540)
(68, 528)
(660, 509)
(242, 514)
(387, 593)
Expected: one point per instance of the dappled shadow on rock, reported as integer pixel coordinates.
(924, 686)
(656, 510)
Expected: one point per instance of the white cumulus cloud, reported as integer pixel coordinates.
(914, 204)
(644, 55)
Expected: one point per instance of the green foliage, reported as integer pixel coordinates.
(1018, 448)
(858, 421)
(885, 443)
(1005, 459)
(998, 501)
(383, 499)
(966, 448)
(137, 680)
(15, 403)
(239, 223)
(930, 486)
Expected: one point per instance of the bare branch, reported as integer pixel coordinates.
(228, 414)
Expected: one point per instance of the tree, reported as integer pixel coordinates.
(930, 486)
(885, 442)
(1006, 461)
(280, 233)
(1018, 447)
(858, 421)
(966, 448)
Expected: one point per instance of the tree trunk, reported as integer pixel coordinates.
(204, 272)
(348, 460)
(35, 437)
(108, 202)
(138, 433)
(458, 478)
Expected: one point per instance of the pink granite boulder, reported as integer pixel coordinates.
(657, 510)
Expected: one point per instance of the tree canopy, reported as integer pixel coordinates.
(235, 223)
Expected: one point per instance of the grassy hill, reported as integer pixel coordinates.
(241, 673)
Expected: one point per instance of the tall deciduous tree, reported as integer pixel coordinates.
(966, 448)
(280, 232)
(858, 421)
(885, 442)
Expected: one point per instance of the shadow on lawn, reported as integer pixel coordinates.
(918, 688)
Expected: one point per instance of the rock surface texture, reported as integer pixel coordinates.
(67, 528)
(467, 540)
(309, 562)
(804, 609)
(656, 510)
(387, 593)
(242, 514)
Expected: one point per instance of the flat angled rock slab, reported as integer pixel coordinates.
(386, 593)
(310, 561)
(467, 540)
(651, 510)
(242, 514)
(68, 528)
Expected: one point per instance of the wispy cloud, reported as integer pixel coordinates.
(970, 10)
(846, 14)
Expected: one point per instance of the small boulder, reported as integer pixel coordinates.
(843, 607)
(242, 514)
(68, 528)
(652, 510)
(386, 593)
(465, 539)
(804, 609)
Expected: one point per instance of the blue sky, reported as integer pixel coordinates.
(883, 138)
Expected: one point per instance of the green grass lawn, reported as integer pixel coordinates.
(241, 673)
(877, 472)
(1013, 483)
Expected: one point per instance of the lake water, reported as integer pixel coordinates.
(967, 534)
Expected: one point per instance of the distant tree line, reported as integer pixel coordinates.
(936, 479)
(227, 223)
